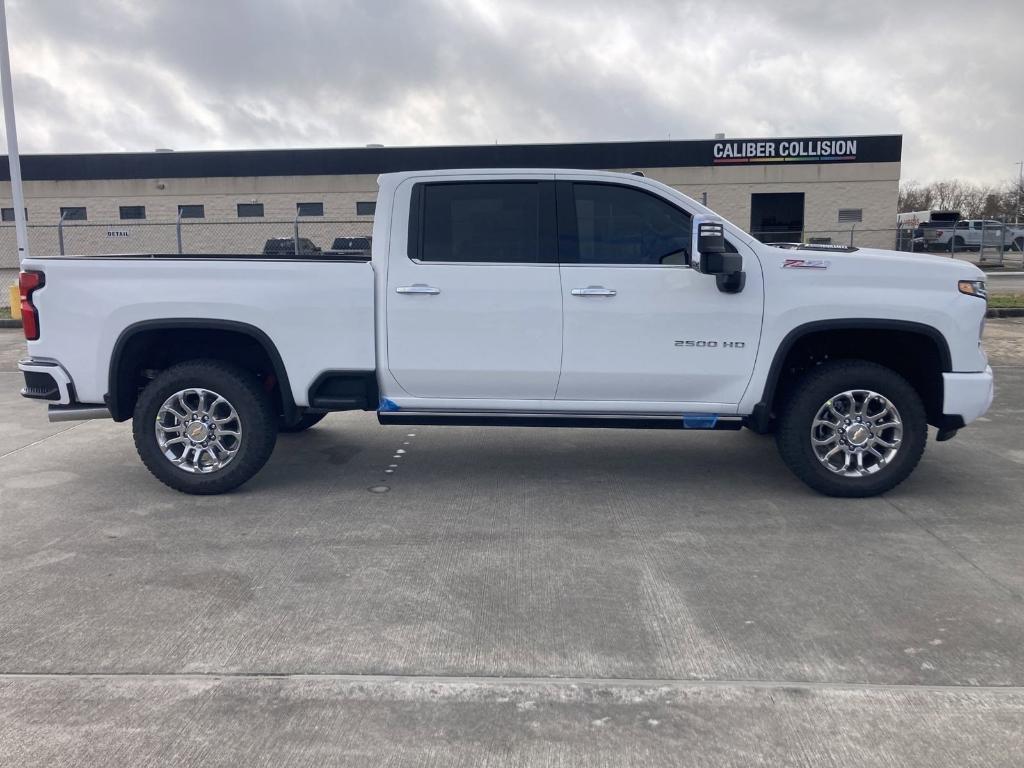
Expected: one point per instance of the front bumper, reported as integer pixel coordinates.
(46, 380)
(967, 395)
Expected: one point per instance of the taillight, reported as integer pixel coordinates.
(28, 283)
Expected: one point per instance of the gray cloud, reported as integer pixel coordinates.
(131, 75)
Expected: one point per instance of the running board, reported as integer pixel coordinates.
(77, 412)
(598, 421)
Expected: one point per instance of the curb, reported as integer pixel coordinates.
(1005, 312)
(6, 323)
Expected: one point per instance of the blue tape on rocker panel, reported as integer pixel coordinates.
(387, 406)
(700, 420)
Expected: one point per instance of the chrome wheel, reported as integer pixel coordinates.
(198, 431)
(856, 433)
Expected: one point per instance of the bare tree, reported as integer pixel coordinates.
(973, 201)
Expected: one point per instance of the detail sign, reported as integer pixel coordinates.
(118, 232)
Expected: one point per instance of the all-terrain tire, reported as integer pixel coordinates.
(817, 389)
(257, 424)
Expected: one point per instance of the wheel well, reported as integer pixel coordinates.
(143, 351)
(917, 355)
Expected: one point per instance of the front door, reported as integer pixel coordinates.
(473, 305)
(641, 325)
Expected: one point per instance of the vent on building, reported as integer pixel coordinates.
(850, 215)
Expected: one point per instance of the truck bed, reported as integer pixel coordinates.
(284, 297)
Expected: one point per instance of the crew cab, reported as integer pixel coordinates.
(518, 298)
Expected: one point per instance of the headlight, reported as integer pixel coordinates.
(973, 288)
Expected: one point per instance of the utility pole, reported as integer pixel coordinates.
(1020, 185)
(12, 139)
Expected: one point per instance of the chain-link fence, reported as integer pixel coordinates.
(988, 243)
(186, 236)
(985, 243)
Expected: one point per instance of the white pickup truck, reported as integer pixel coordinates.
(970, 235)
(518, 298)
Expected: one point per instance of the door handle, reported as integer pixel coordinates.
(418, 288)
(593, 290)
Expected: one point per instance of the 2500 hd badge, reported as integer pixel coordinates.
(710, 343)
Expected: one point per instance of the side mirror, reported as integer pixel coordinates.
(712, 258)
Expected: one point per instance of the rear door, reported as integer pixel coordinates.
(474, 307)
(640, 324)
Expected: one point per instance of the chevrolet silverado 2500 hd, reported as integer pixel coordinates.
(522, 298)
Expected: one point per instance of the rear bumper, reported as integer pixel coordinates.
(46, 380)
(967, 395)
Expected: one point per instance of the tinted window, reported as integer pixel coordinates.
(133, 212)
(73, 213)
(192, 211)
(250, 210)
(621, 225)
(8, 214)
(366, 208)
(309, 209)
(478, 222)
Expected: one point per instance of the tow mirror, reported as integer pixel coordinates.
(712, 257)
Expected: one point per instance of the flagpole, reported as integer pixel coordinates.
(12, 139)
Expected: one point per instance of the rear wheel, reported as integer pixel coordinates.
(305, 421)
(853, 428)
(956, 244)
(204, 427)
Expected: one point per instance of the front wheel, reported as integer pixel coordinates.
(204, 427)
(853, 428)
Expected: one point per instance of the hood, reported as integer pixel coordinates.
(879, 258)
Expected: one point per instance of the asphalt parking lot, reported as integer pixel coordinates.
(516, 596)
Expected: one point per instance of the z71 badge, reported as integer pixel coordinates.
(806, 264)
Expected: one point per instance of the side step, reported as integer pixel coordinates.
(77, 412)
(596, 421)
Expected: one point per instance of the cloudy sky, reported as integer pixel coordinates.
(110, 75)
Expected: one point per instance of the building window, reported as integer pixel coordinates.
(851, 214)
(8, 214)
(309, 209)
(250, 210)
(366, 209)
(191, 211)
(73, 213)
(133, 211)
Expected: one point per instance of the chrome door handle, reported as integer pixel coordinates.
(593, 290)
(418, 288)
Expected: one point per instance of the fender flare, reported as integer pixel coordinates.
(761, 415)
(112, 398)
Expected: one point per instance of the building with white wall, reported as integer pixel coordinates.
(829, 189)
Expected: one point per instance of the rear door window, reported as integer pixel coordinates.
(478, 222)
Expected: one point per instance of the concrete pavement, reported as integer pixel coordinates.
(516, 596)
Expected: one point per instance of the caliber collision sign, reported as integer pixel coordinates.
(784, 151)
